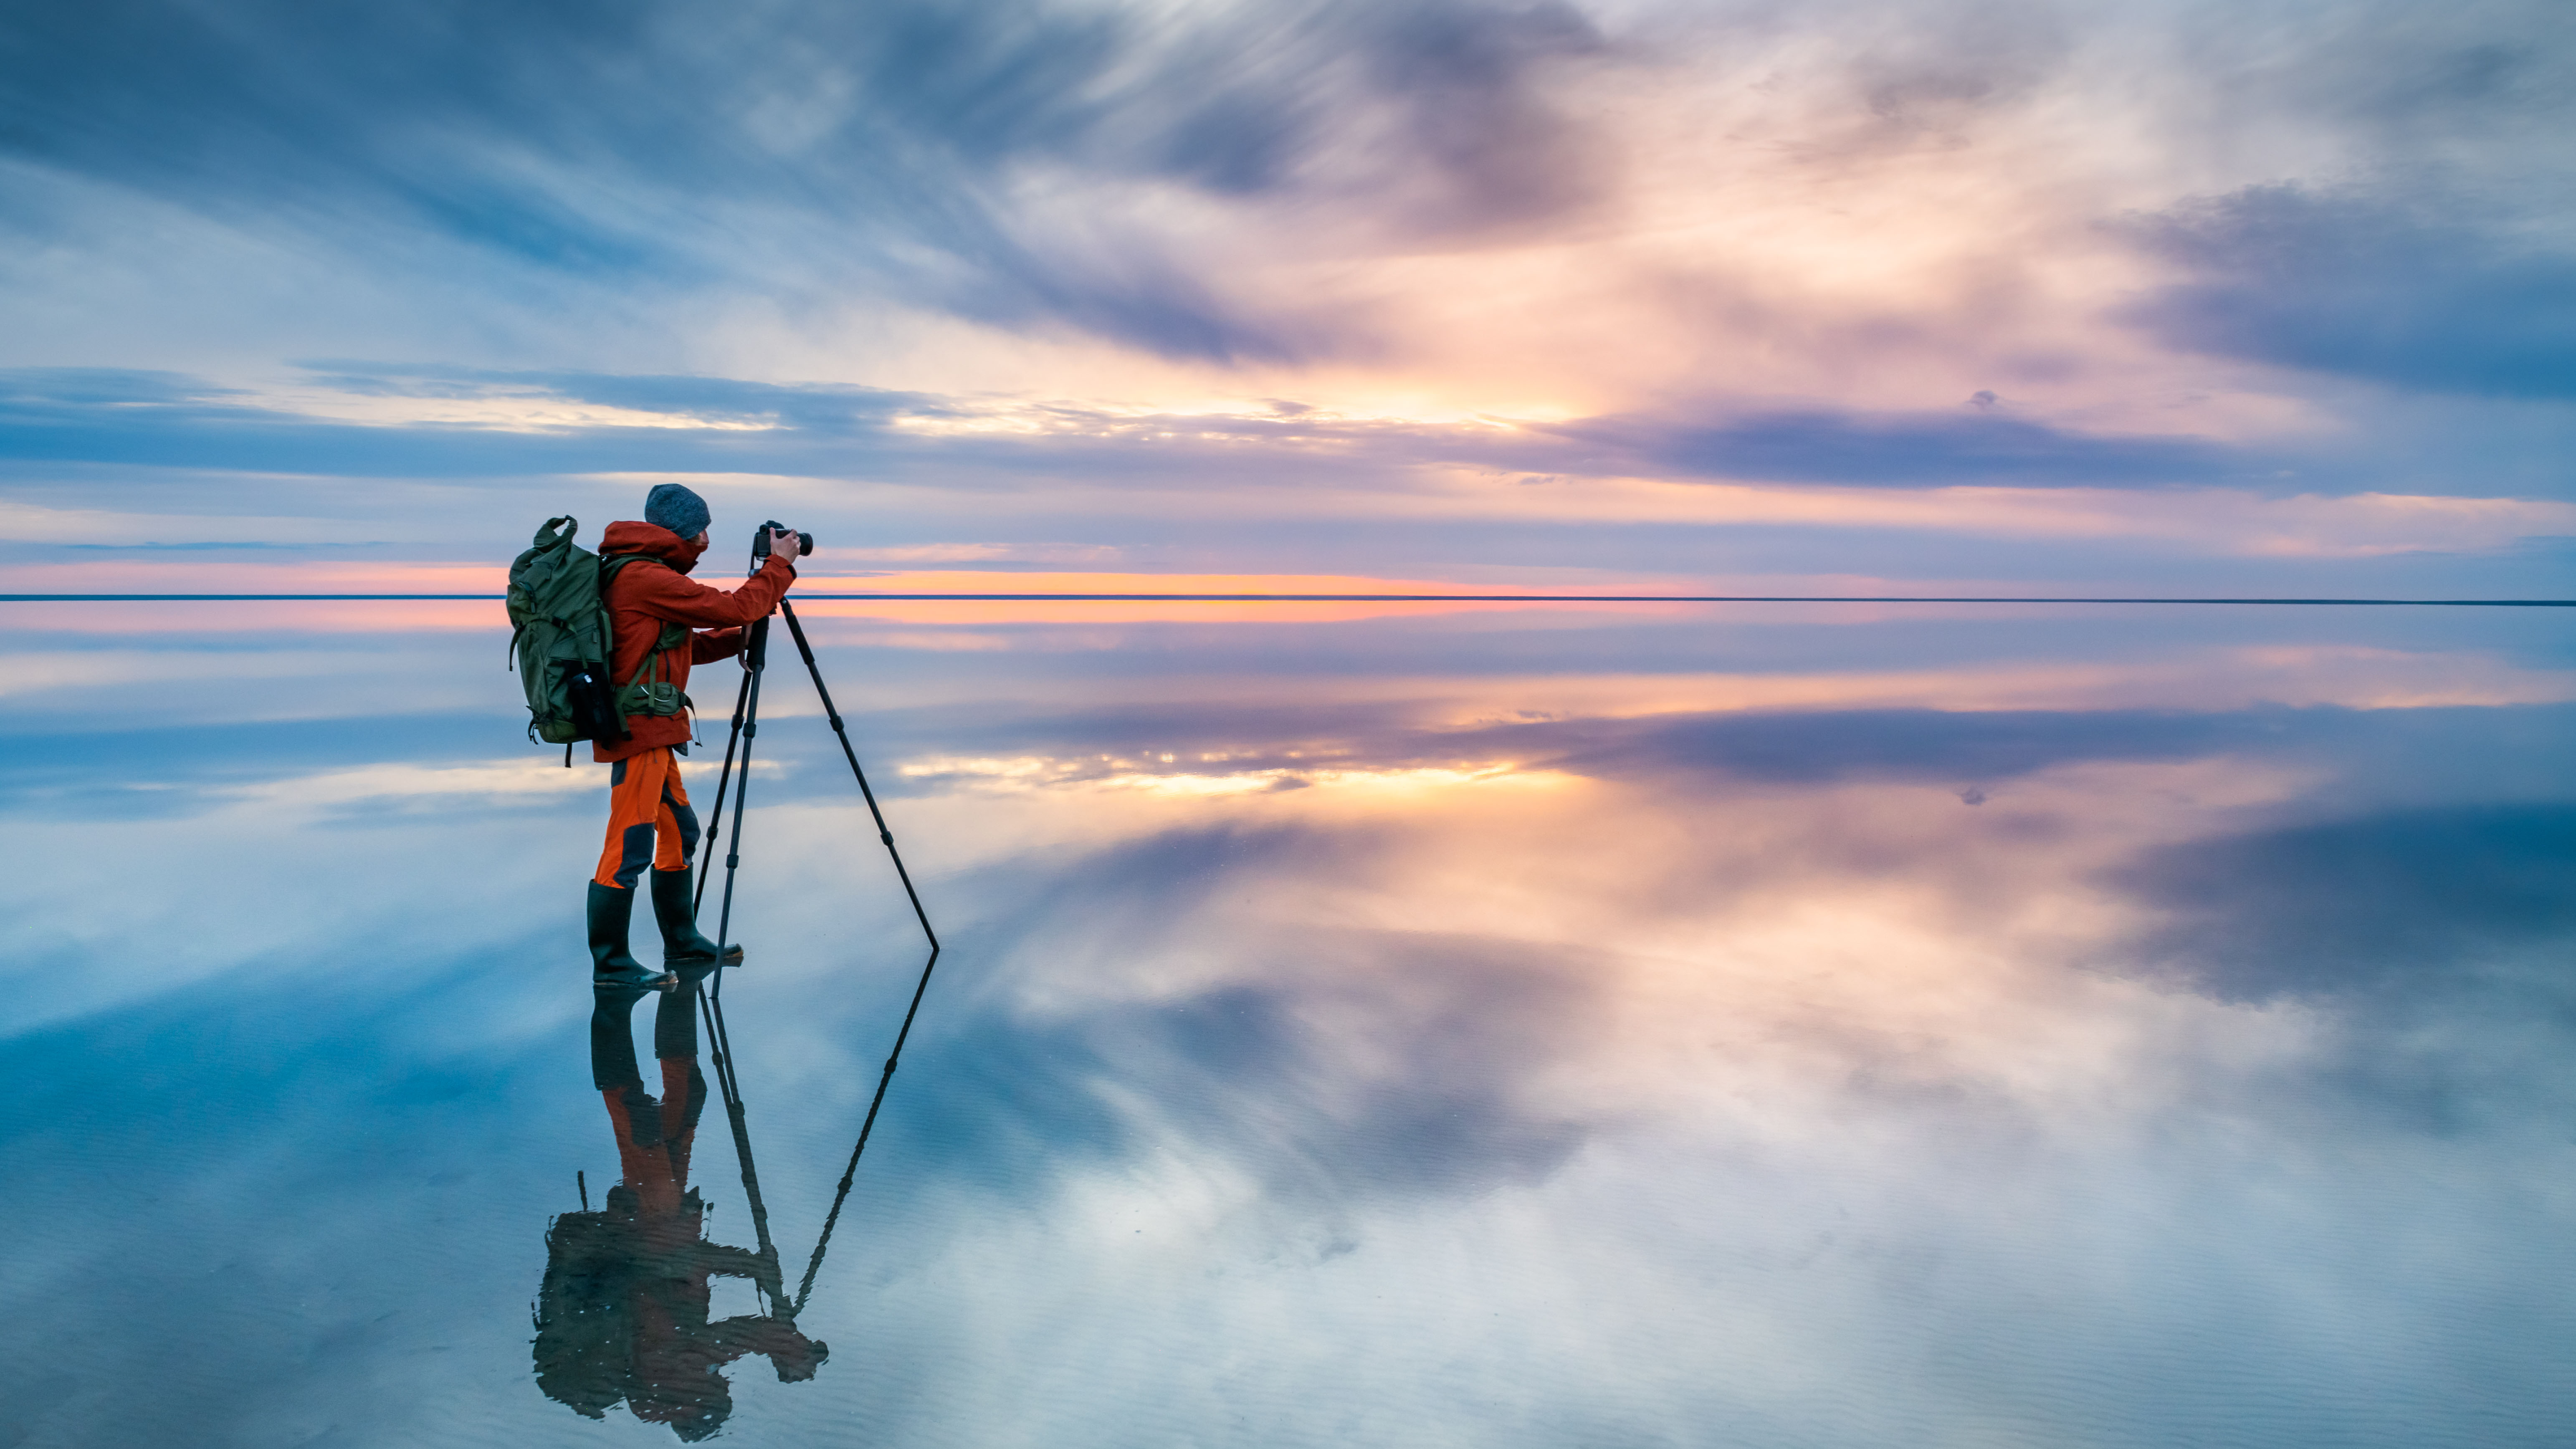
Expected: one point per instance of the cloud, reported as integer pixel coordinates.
(638, 145)
(1918, 450)
(163, 420)
(2399, 291)
(429, 422)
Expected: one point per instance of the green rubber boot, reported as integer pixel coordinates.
(683, 944)
(611, 964)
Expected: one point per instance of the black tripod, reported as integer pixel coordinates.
(746, 729)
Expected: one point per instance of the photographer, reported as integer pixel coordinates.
(655, 610)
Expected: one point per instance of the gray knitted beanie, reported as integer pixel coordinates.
(676, 508)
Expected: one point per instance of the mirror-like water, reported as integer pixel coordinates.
(1532, 1027)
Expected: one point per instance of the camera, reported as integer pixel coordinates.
(760, 540)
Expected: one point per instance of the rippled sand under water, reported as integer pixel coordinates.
(1527, 1028)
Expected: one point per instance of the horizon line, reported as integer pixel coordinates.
(1372, 599)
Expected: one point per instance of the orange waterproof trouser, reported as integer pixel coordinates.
(649, 819)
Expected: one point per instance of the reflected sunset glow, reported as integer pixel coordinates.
(1357, 985)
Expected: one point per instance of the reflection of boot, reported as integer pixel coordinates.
(611, 964)
(683, 945)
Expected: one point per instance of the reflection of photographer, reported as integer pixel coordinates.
(623, 1311)
(662, 622)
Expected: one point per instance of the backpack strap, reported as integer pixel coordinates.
(640, 697)
(673, 634)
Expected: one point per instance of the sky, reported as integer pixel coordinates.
(2275, 297)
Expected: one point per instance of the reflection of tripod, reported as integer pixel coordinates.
(771, 1284)
(746, 728)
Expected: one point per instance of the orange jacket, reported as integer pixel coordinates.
(644, 595)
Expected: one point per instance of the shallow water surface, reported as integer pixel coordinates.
(1529, 1027)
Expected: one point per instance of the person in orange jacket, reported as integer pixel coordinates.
(655, 610)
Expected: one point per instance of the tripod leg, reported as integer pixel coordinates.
(755, 659)
(843, 731)
(707, 865)
(805, 1289)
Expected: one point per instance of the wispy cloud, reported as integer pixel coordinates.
(2400, 290)
(596, 145)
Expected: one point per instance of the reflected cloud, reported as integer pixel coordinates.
(418, 787)
(1326, 1063)
(2405, 907)
(1815, 1033)
(2426, 947)
(1032, 772)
